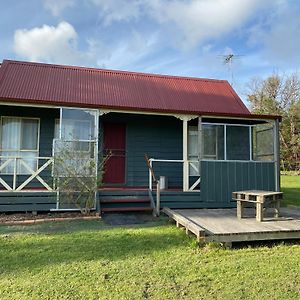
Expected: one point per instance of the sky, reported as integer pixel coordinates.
(173, 37)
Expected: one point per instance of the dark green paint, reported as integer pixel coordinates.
(158, 137)
(220, 179)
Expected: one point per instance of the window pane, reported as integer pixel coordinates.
(193, 142)
(213, 141)
(9, 169)
(193, 151)
(56, 128)
(29, 158)
(29, 136)
(78, 124)
(10, 134)
(17, 135)
(237, 145)
(263, 143)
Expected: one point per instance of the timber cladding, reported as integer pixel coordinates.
(27, 201)
(157, 136)
(220, 178)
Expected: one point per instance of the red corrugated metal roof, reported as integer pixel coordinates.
(98, 88)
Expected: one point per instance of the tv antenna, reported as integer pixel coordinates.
(228, 60)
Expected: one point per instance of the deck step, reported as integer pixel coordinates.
(124, 200)
(128, 201)
(125, 209)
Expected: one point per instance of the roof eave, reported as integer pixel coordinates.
(134, 109)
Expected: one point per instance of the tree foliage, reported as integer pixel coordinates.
(280, 95)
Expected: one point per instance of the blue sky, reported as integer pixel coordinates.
(174, 37)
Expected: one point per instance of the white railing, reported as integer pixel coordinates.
(193, 164)
(10, 169)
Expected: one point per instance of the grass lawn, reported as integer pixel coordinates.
(290, 186)
(88, 260)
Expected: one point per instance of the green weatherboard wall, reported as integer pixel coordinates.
(160, 137)
(219, 179)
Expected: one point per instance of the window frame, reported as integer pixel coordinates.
(37, 151)
(57, 123)
(250, 128)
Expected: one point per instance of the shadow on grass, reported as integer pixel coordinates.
(73, 226)
(23, 252)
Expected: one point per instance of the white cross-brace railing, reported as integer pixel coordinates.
(193, 164)
(9, 161)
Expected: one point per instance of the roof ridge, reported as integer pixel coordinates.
(123, 72)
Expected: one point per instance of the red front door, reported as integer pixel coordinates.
(114, 145)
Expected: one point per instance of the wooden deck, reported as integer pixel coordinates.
(222, 225)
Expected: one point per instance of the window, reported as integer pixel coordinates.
(76, 132)
(74, 147)
(213, 142)
(193, 151)
(56, 128)
(263, 142)
(73, 130)
(239, 139)
(237, 142)
(19, 138)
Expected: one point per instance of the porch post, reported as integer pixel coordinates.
(277, 155)
(199, 143)
(185, 155)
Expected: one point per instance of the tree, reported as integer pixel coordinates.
(280, 95)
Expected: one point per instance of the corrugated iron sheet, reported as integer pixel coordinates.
(86, 87)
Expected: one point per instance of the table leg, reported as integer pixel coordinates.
(240, 209)
(276, 207)
(259, 209)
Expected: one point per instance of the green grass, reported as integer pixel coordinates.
(290, 186)
(88, 260)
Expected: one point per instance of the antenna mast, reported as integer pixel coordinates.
(228, 60)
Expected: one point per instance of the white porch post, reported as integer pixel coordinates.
(185, 155)
(200, 143)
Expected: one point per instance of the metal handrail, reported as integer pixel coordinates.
(156, 208)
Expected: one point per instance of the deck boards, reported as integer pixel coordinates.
(223, 225)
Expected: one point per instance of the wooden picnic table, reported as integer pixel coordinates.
(260, 198)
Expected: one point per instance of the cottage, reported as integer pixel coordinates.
(63, 127)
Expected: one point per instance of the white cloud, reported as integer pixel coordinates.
(118, 10)
(58, 44)
(57, 6)
(276, 36)
(188, 22)
(197, 21)
(129, 53)
(49, 44)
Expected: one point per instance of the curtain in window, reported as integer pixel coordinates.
(10, 134)
(29, 135)
(19, 139)
(10, 141)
